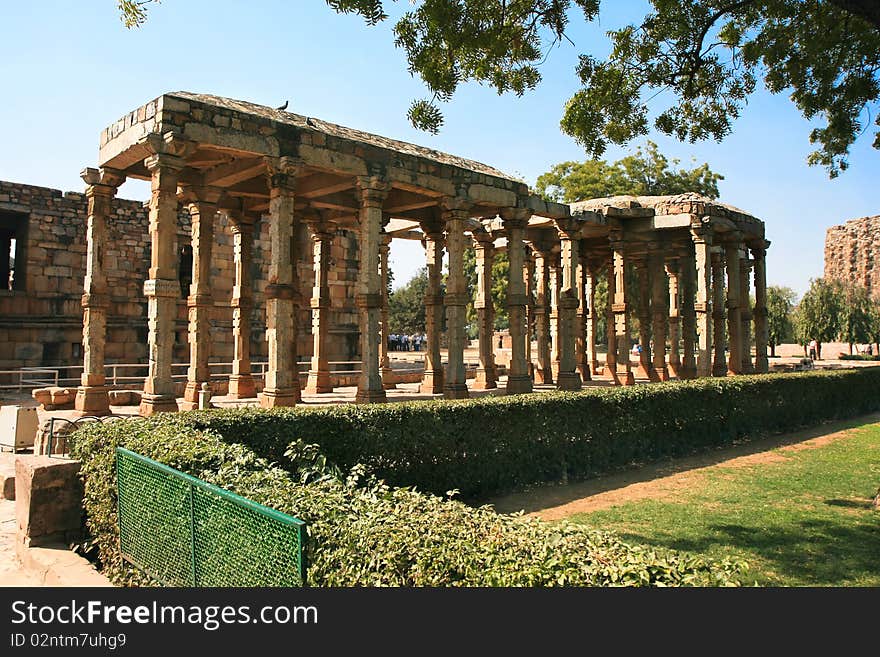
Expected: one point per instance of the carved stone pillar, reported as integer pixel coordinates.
(610, 370)
(515, 222)
(373, 192)
(659, 311)
(544, 371)
(432, 381)
(568, 377)
(672, 271)
(454, 215)
(388, 379)
(529, 277)
(623, 374)
(688, 315)
(746, 313)
(92, 397)
(203, 212)
(241, 382)
(322, 231)
(702, 239)
(759, 253)
(645, 368)
(591, 315)
(162, 288)
(282, 378)
(734, 318)
(582, 318)
(485, 255)
(555, 315)
(719, 364)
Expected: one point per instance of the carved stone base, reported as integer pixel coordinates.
(276, 398)
(191, 396)
(92, 400)
(544, 376)
(318, 382)
(241, 386)
(519, 384)
(432, 383)
(569, 381)
(152, 404)
(643, 371)
(625, 378)
(370, 397)
(456, 391)
(388, 381)
(484, 380)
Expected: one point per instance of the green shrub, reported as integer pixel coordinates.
(484, 446)
(859, 357)
(365, 533)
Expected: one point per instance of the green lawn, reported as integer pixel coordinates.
(802, 521)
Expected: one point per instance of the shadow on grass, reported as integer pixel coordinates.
(814, 552)
(545, 496)
(850, 504)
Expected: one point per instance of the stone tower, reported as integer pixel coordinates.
(851, 251)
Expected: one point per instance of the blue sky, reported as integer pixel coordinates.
(70, 69)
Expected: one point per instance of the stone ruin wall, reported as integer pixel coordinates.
(851, 251)
(41, 324)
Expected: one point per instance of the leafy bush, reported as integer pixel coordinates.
(362, 532)
(859, 357)
(483, 446)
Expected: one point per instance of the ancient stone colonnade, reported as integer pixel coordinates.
(216, 155)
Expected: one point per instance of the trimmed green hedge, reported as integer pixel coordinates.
(484, 446)
(364, 533)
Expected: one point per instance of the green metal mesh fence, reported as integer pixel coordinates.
(185, 532)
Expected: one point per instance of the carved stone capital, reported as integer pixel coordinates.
(95, 300)
(103, 181)
(160, 287)
(168, 150)
(373, 191)
(368, 300)
(514, 218)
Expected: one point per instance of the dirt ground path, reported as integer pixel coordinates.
(665, 479)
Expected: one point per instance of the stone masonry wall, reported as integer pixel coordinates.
(851, 251)
(41, 320)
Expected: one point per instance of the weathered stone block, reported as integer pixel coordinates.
(48, 499)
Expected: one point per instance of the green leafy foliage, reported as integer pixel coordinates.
(406, 305)
(647, 172)
(856, 315)
(818, 314)
(362, 532)
(780, 326)
(702, 58)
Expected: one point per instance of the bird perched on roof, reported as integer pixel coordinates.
(310, 122)
(283, 107)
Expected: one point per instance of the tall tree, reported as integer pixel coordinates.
(855, 316)
(780, 303)
(697, 61)
(646, 172)
(818, 314)
(406, 305)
